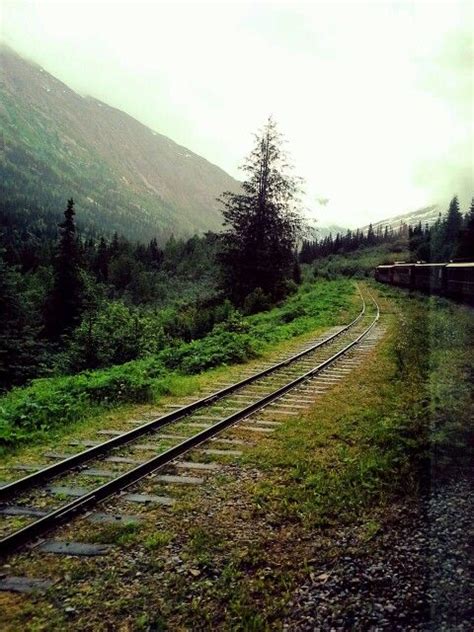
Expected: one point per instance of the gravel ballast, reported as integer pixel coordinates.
(414, 574)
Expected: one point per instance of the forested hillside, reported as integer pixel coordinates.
(73, 301)
(451, 236)
(126, 177)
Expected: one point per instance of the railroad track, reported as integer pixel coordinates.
(40, 501)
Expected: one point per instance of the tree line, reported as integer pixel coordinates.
(68, 302)
(71, 301)
(450, 237)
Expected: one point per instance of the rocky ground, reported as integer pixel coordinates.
(415, 573)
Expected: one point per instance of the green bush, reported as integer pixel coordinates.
(114, 335)
(257, 301)
(50, 402)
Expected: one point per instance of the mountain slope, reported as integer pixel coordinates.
(427, 215)
(123, 176)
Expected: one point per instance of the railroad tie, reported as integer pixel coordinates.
(10, 583)
(117, 519)
(194, 465)
(149, 499)
(179, 480)
(215, 452)
(16, 510)
(60, 547)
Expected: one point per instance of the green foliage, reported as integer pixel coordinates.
(157, 540)
(221, 347)
(49, 402)
(114, 335)
(466, 244)
(256, 301)
(65, 302)
(361, 263)
(20, 349)
(28, 412)
(131, 297)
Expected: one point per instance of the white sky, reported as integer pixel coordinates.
(374, 98)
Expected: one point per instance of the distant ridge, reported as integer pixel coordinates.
(55, 144)
(427, 215)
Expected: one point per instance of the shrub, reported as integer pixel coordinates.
(257, 301)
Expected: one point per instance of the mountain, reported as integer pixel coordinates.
(56, 144)
(427, 215)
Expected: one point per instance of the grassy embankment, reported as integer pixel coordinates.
(360, 263)
(31, 413)
(400, 421)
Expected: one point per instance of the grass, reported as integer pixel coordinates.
(233, 558)
(409, 423)
(360, 263)
(31, 413)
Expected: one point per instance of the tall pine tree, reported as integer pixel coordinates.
(452, 229)
(263, 221)
(20, 351)
(64, 303)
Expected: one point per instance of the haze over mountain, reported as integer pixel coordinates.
(57, 144)
(427, 216)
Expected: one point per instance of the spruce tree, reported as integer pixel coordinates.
(64, 303)
(263, 221)
(101, 264)
(371, 236)
(452, 229)
(20, 352)
(297, 278)
(466, 245)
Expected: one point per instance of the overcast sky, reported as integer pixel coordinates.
(375, 99)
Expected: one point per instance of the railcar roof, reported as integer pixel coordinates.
(430, 265)
(467, 264)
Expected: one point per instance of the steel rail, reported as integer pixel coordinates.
(44, 474)
(65, 513)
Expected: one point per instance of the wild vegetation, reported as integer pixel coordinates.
(29, 412)
(78, 303)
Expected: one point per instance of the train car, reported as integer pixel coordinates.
(455, 280)
(459, 282)
(429, 277)
(384, 273)
(402, 274)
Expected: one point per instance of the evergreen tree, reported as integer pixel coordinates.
(64, 303)
(263, 221)
(20, 352)
(101, 264)
(466, 244)
(297, 272)
(370, 236)
(452, 229)
(154, 253)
